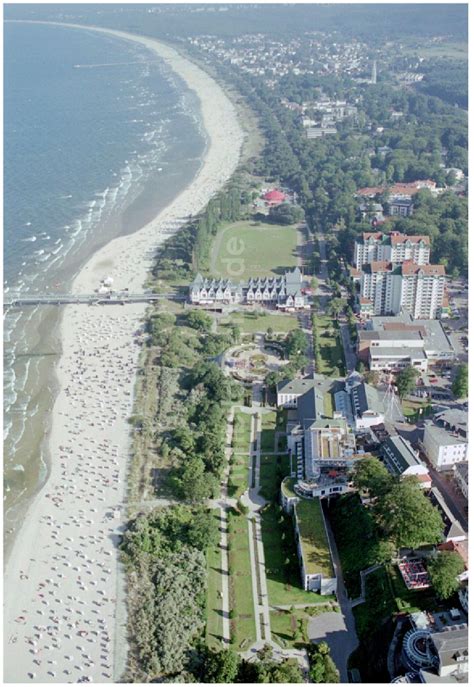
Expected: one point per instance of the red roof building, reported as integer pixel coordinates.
(274, 197)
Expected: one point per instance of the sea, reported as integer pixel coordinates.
(99, 136)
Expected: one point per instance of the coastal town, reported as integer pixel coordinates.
(281, 462)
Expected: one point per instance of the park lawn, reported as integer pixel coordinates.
(290, 627)
(251, 249)
(330, 347)
(252, 322)
(267, 435)
(273, 469)
(240, 584)
(239, 475)
(279, 546)
(241, 432)
(214, 603)
(412, 409)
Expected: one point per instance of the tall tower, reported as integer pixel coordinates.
(374, 72)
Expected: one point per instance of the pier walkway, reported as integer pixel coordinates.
(120, 298)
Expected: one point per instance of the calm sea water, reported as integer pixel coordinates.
(99, 136)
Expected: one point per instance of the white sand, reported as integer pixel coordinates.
(61, 580)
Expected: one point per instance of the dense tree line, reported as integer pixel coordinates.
(165, 554)
(197, 445)
(187, 251)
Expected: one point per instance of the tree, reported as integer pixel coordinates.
(199, 320)
(203, 531)
(406, 515)
(221, 666)
(295, 343)
(371, 475)
(322, 667)
(406, 380)
(195, 484)
(444, 569)
(286, 214)
(336, 306)
(461, 382)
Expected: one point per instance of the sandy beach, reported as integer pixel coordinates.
(62, 621)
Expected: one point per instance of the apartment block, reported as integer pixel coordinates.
(393, 247)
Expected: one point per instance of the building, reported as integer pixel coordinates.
(461, 475)
(393, 247)
(274, 197)
(393, 288)
(398, 190)
(454, 420)
(284, 292)
(453, 530)
(436, 646)
(391, 343)
(400, 207)
(360, 404)
(443, 447)
(463, 594)
(317, 570)
(374, 211)
(400, 458)
(422, 290)
(451, 648)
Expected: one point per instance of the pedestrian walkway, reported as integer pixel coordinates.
(363, 575)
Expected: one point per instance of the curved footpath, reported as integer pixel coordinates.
(62, 620)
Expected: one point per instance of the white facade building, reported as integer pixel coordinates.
(461, 475)
(392, 288)
(443, 448)
(393, 247)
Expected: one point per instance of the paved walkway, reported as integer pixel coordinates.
(254, 501)
(363, 575)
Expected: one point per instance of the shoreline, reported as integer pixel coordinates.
(64, 561)
(27, 463)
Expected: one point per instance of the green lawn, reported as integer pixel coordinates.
(273, 469)
(289, 627)
(241, 432)
(239, 475)
(267, 436)
(330, 347)
(411, 409)
(314, 541)
(250, 249)
(241, 595)
(281, 561)
(252, 322)
(214, 603)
